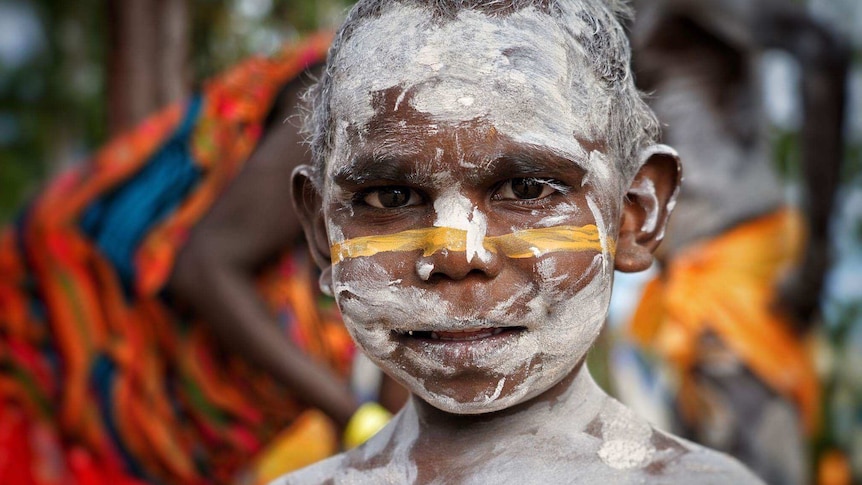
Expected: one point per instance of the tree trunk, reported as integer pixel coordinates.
(174, 50)
(147, 59)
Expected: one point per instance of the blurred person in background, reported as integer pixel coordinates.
(741, 271)
(158, 321)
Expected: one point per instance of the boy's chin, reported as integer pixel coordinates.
(454, 406)
(493, 398)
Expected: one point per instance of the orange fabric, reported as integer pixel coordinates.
(834, 469)
(727, 286)
(108, 378)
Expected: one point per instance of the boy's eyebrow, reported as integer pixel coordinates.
(368, 167)
(520, 162)
(530, 161)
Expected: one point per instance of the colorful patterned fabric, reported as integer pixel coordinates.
(101, 380)
(726, 286)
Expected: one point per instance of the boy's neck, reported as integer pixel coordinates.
(575, 401)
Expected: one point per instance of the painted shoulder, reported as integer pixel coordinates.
(691, 463)
(629, 448)
(381, 460)
(350, 468)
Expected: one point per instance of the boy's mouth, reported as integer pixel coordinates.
(457, 335)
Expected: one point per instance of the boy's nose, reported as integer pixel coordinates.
(455, 265)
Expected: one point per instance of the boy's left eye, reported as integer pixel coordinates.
(525, 189)
(391, 197)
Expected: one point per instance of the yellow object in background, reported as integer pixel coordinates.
(365, 423)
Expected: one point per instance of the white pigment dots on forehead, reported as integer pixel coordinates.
(521, 74)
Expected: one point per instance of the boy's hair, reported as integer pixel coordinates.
(596, 25)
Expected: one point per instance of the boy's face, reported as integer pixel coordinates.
(464, 151)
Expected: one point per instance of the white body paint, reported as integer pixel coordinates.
(626, 441)
(452, 72)
(424, 270)
(584, 437)
(377, 305)
(561, 329)
(646, 190)
(334, 232)
(562, 213)
(456, 211)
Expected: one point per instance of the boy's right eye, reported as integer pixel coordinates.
(391, 197)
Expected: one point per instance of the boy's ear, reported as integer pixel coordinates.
(308, 204)
(647, 207)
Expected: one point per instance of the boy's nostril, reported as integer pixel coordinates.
(446, 265)
(439, 275)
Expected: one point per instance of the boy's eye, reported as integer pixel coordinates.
(391, 197)
(525, 189)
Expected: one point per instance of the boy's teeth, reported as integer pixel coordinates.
(465, 334)
(456, 334)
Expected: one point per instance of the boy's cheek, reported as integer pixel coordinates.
(385, 270)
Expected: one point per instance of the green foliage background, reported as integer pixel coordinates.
(52, 107)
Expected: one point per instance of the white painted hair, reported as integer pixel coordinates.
(632, 124)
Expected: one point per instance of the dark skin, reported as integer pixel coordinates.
(250, 226)
(745, 28)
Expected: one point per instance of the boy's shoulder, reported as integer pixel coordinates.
(329, 471)
(383, 459)
(616, 447)
(680, 461)
(630, 449)
(697, 465)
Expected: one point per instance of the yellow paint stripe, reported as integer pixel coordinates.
(521, 244)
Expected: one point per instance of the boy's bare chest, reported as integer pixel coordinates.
(531, 458)
(527, 459)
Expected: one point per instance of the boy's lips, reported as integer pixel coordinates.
(454, 351)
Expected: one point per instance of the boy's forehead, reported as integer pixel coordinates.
(521, 74)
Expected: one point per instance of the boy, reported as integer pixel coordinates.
(480, 169)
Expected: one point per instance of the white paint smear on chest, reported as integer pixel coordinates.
(626, 440)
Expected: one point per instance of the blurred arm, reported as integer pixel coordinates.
(251, 224)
